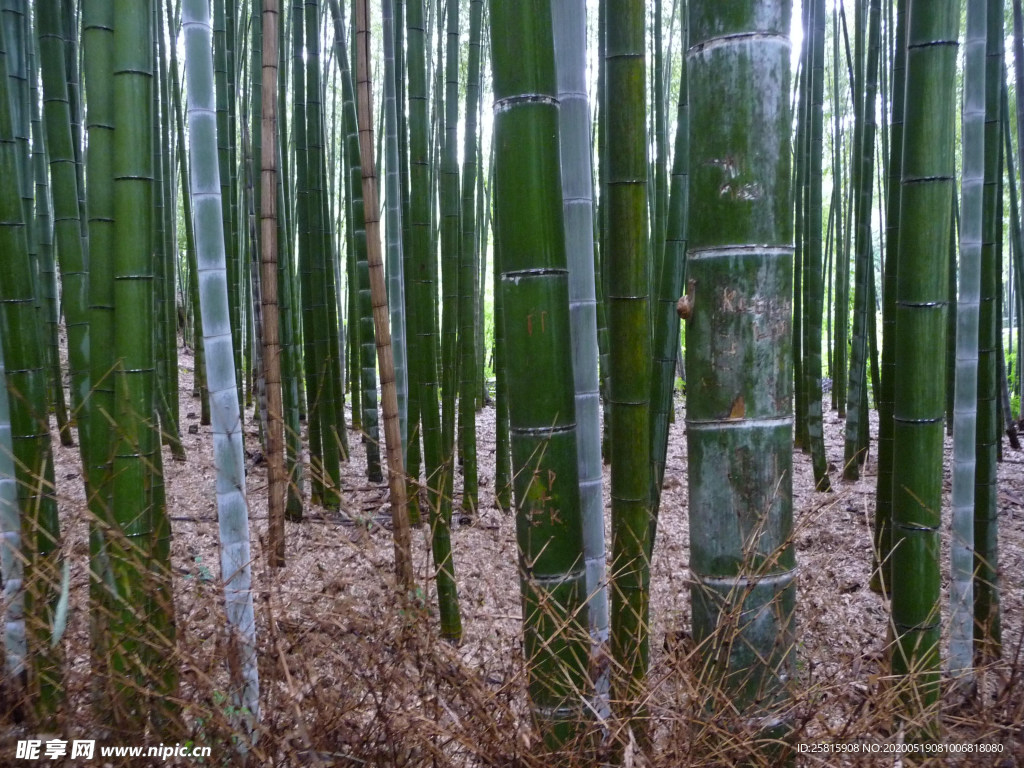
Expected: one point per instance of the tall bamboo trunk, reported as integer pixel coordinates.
(864, 153)
(537, 325)
(928, 178)
(309, 356)
(450, 242)
(276, 476)
(965, 410)
(570, 40)
(882, 578)
(30, 434)
(815, 441)
(393, 195)
(392, 431)
(318, 274)
(228, 452)
(666, 318)
(739, 416)
(12, 569)
(986, 592)
(424, 297)
(468, 385)
(361, 276)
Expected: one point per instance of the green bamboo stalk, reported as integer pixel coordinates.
(987, 635)
(12, 569)
(1015, 270)
(661, 181)
(537, 327)
(800, 195)
(951, 321)
(630, 351)
(739, 417)
(333, 263)
(321, 258)
(385, 359)
(413, 450)
(842, 305)
(15, 28)
(255, 109)
(135, 441)
(600, 254)
(169, 401)
(813, 252)
(666, 318)
(864, 154)
(423, 295)
(309, 356)
(837, 361)
(882, 577)
(30, 436)
(190, 246)
(395, 225)
(928, 178)
(483, 219)
(70, 17)
(159, 254)
(162, 627)
(232, 33)
(223, 72)
(467, 279)
(502, 446)
(98, 40)
(290, 329)
(361, 276)
(42, 225)
(228, 453)
(450, 247)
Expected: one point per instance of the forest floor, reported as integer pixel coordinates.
(343, 685)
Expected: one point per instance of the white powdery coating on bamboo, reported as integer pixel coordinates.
(570, 36)
(11, 563)
(965, 398)
(396, 278)
(228, 456)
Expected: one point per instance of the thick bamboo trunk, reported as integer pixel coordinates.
(928, 178)
(739, 417)
(228, 453)
(135, 441)
(535, 288)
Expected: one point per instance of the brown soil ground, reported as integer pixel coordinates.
(334, 651)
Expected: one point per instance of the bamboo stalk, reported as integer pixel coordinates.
(392, 428)
(928, 177)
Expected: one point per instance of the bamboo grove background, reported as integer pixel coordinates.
(367, 222)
